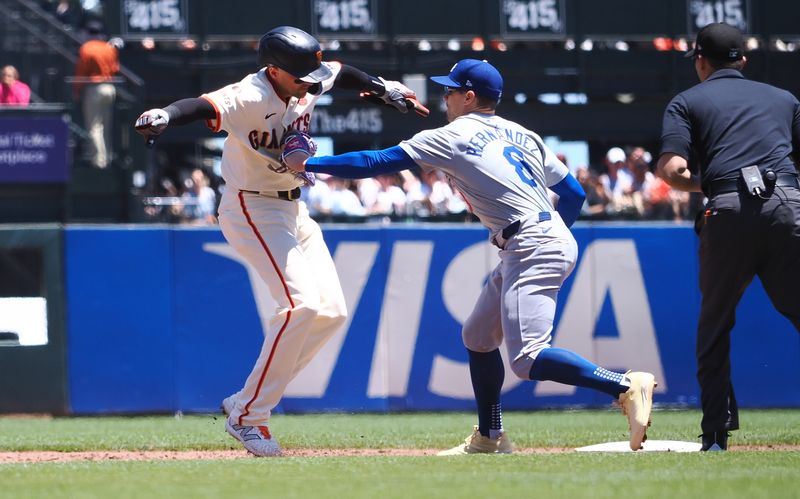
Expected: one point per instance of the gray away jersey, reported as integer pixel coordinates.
(502, 169)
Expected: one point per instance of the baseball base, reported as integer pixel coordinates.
(647, 446)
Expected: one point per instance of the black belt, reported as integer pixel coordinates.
(512, 228)
(285, 195)
(737, 184)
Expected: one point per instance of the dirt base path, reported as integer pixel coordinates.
(167, 455)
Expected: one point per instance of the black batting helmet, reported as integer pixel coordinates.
(294, 51)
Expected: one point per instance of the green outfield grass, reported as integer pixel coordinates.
(733, 474)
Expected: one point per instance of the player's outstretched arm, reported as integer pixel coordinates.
(380, 91)
(361, 164)
(153, 122)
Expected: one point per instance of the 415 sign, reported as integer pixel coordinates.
(704, 12)
(532, 16)
(148, 17)
(336, 17)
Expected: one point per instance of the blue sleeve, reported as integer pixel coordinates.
(570, 199)
(362, 164)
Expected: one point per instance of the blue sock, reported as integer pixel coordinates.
(569, 368)
(487, 373)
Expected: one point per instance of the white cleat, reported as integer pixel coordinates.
(637, 404)
(478, 444)
(256, 439)
(228, 404)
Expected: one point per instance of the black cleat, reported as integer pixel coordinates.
(715, 441)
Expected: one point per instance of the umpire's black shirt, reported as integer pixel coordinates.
(729, 123)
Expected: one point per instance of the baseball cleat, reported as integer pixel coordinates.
(478, 444)
(637, 403)
(715, 441)
(228, 404)
(256, 439)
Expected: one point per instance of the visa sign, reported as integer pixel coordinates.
(608, 269)
(189, 316)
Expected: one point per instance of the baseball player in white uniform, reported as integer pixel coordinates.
(260, 214)
(503, 171)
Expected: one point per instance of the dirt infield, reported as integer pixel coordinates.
(34, 457)
(166, 455)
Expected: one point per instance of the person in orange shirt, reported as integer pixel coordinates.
(12, 91)
(98, 62)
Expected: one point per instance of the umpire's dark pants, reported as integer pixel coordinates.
(742, 236)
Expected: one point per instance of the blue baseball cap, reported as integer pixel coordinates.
(472, 74)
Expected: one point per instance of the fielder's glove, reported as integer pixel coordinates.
(295, 142)
(151, 124)
(297, 147)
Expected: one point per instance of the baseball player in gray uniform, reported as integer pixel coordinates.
(260, 214)
(503, 171)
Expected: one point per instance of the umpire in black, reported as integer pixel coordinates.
(745, 137)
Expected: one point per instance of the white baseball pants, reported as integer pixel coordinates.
(281, 241)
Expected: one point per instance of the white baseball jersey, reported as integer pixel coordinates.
(276, 237)
(256, 119)
(501, 168)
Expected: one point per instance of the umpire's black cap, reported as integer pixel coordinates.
(294, 51)
(719, 41)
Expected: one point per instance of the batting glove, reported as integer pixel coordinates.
(396, 94)
(152, 123)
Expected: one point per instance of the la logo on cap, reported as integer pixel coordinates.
(468, 83)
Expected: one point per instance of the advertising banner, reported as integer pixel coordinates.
(33, 150)
(176, 322)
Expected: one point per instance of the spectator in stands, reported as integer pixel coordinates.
(317, 196)
(367, 190)
(12, 91)
(659, 202)
(343, 201)
(161, 208)
(68, 12)
(642, 178)
(617, 182)
(390, 198)
(97, 64)
(444, 199)
(417, 195)
(199, 200)
(596, 204)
